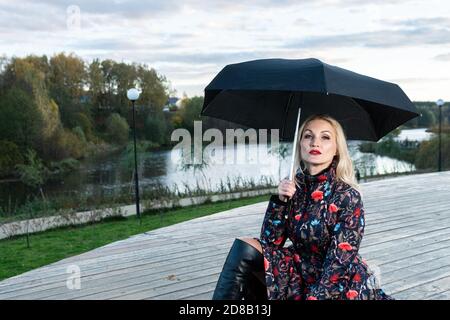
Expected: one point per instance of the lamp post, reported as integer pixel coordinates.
(440, 103)
(133, 95)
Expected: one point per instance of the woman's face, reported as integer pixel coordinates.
(318, 145)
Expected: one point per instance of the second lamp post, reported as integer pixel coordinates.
(440, 103)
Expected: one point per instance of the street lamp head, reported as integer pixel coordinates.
(132, 94)
(440, 102)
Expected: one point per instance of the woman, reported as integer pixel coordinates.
(325, 225)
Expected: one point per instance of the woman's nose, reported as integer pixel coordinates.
(313, 143)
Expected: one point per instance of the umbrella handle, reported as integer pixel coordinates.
(294, 147)
(294, 154)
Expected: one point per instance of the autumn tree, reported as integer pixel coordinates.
(67, 76)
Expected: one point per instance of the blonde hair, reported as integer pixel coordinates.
(344, 166)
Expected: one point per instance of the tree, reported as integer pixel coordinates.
(96, 83)
(427, 155)
(67, 78)
(81, 120)
(117, 129)
(190, 111)
(154, 91)
(10, 156)
(125, 76)
(21, 121)
(33, 173)
(29, 74)
(156, 128)
(109, 83)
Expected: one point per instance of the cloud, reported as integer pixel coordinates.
(418, 80)
(442, 57)
(377, 39)
(191, 40)
(130, 8)
(29, 17)
(433, 22)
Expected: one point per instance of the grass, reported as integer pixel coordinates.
(51, 246)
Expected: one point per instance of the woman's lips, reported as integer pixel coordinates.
(315, 152)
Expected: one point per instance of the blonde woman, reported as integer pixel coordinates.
(325, 225)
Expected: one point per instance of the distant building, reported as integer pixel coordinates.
(172, 104)
(85, 99)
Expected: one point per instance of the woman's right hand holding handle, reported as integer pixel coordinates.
(286, 189)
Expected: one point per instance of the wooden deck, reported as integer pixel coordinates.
(407, 242)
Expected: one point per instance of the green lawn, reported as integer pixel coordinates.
(54, 245)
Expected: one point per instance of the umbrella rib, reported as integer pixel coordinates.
(371, 128)
(286, 113)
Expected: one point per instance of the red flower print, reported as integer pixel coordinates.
(317, 195)
(291, 270)
(297, 217)
(357, 212)
(311, 298)
(287, 259)
(345, 246)
(333, 208)
(314, 248)
(296, 258)
(357, 278)
(275, 272)
(322, 178)
(266, 264)
(352, 294)
(334, 278)
(278, 241)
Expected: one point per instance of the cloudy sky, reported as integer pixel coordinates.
(402, 41)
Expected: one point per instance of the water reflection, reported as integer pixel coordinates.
(107, 175)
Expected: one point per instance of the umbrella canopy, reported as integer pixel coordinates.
(267, 94)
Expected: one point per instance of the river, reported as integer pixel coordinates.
(108, 175)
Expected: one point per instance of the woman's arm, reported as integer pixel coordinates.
(273, 230)
(344, 246)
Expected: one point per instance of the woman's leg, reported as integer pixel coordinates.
(243, 267)
(253, 242)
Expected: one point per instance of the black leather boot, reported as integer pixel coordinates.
(242, 276)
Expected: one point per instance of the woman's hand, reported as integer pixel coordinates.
(286, 189)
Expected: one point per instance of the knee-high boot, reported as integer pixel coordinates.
(242, 276)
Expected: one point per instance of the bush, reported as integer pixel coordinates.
(65, 144)
(117, 129)
(156, 128)
(390, 148)
(427, 155)
(64, 166)
(34, 173)
(190, 112)
(81, 120)
(10, 156)
(20, 119)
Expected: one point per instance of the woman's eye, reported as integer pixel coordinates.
(326, 137)
(307, 136)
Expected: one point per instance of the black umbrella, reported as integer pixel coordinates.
(272, 93)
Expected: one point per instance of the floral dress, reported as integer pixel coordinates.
(325, 225)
